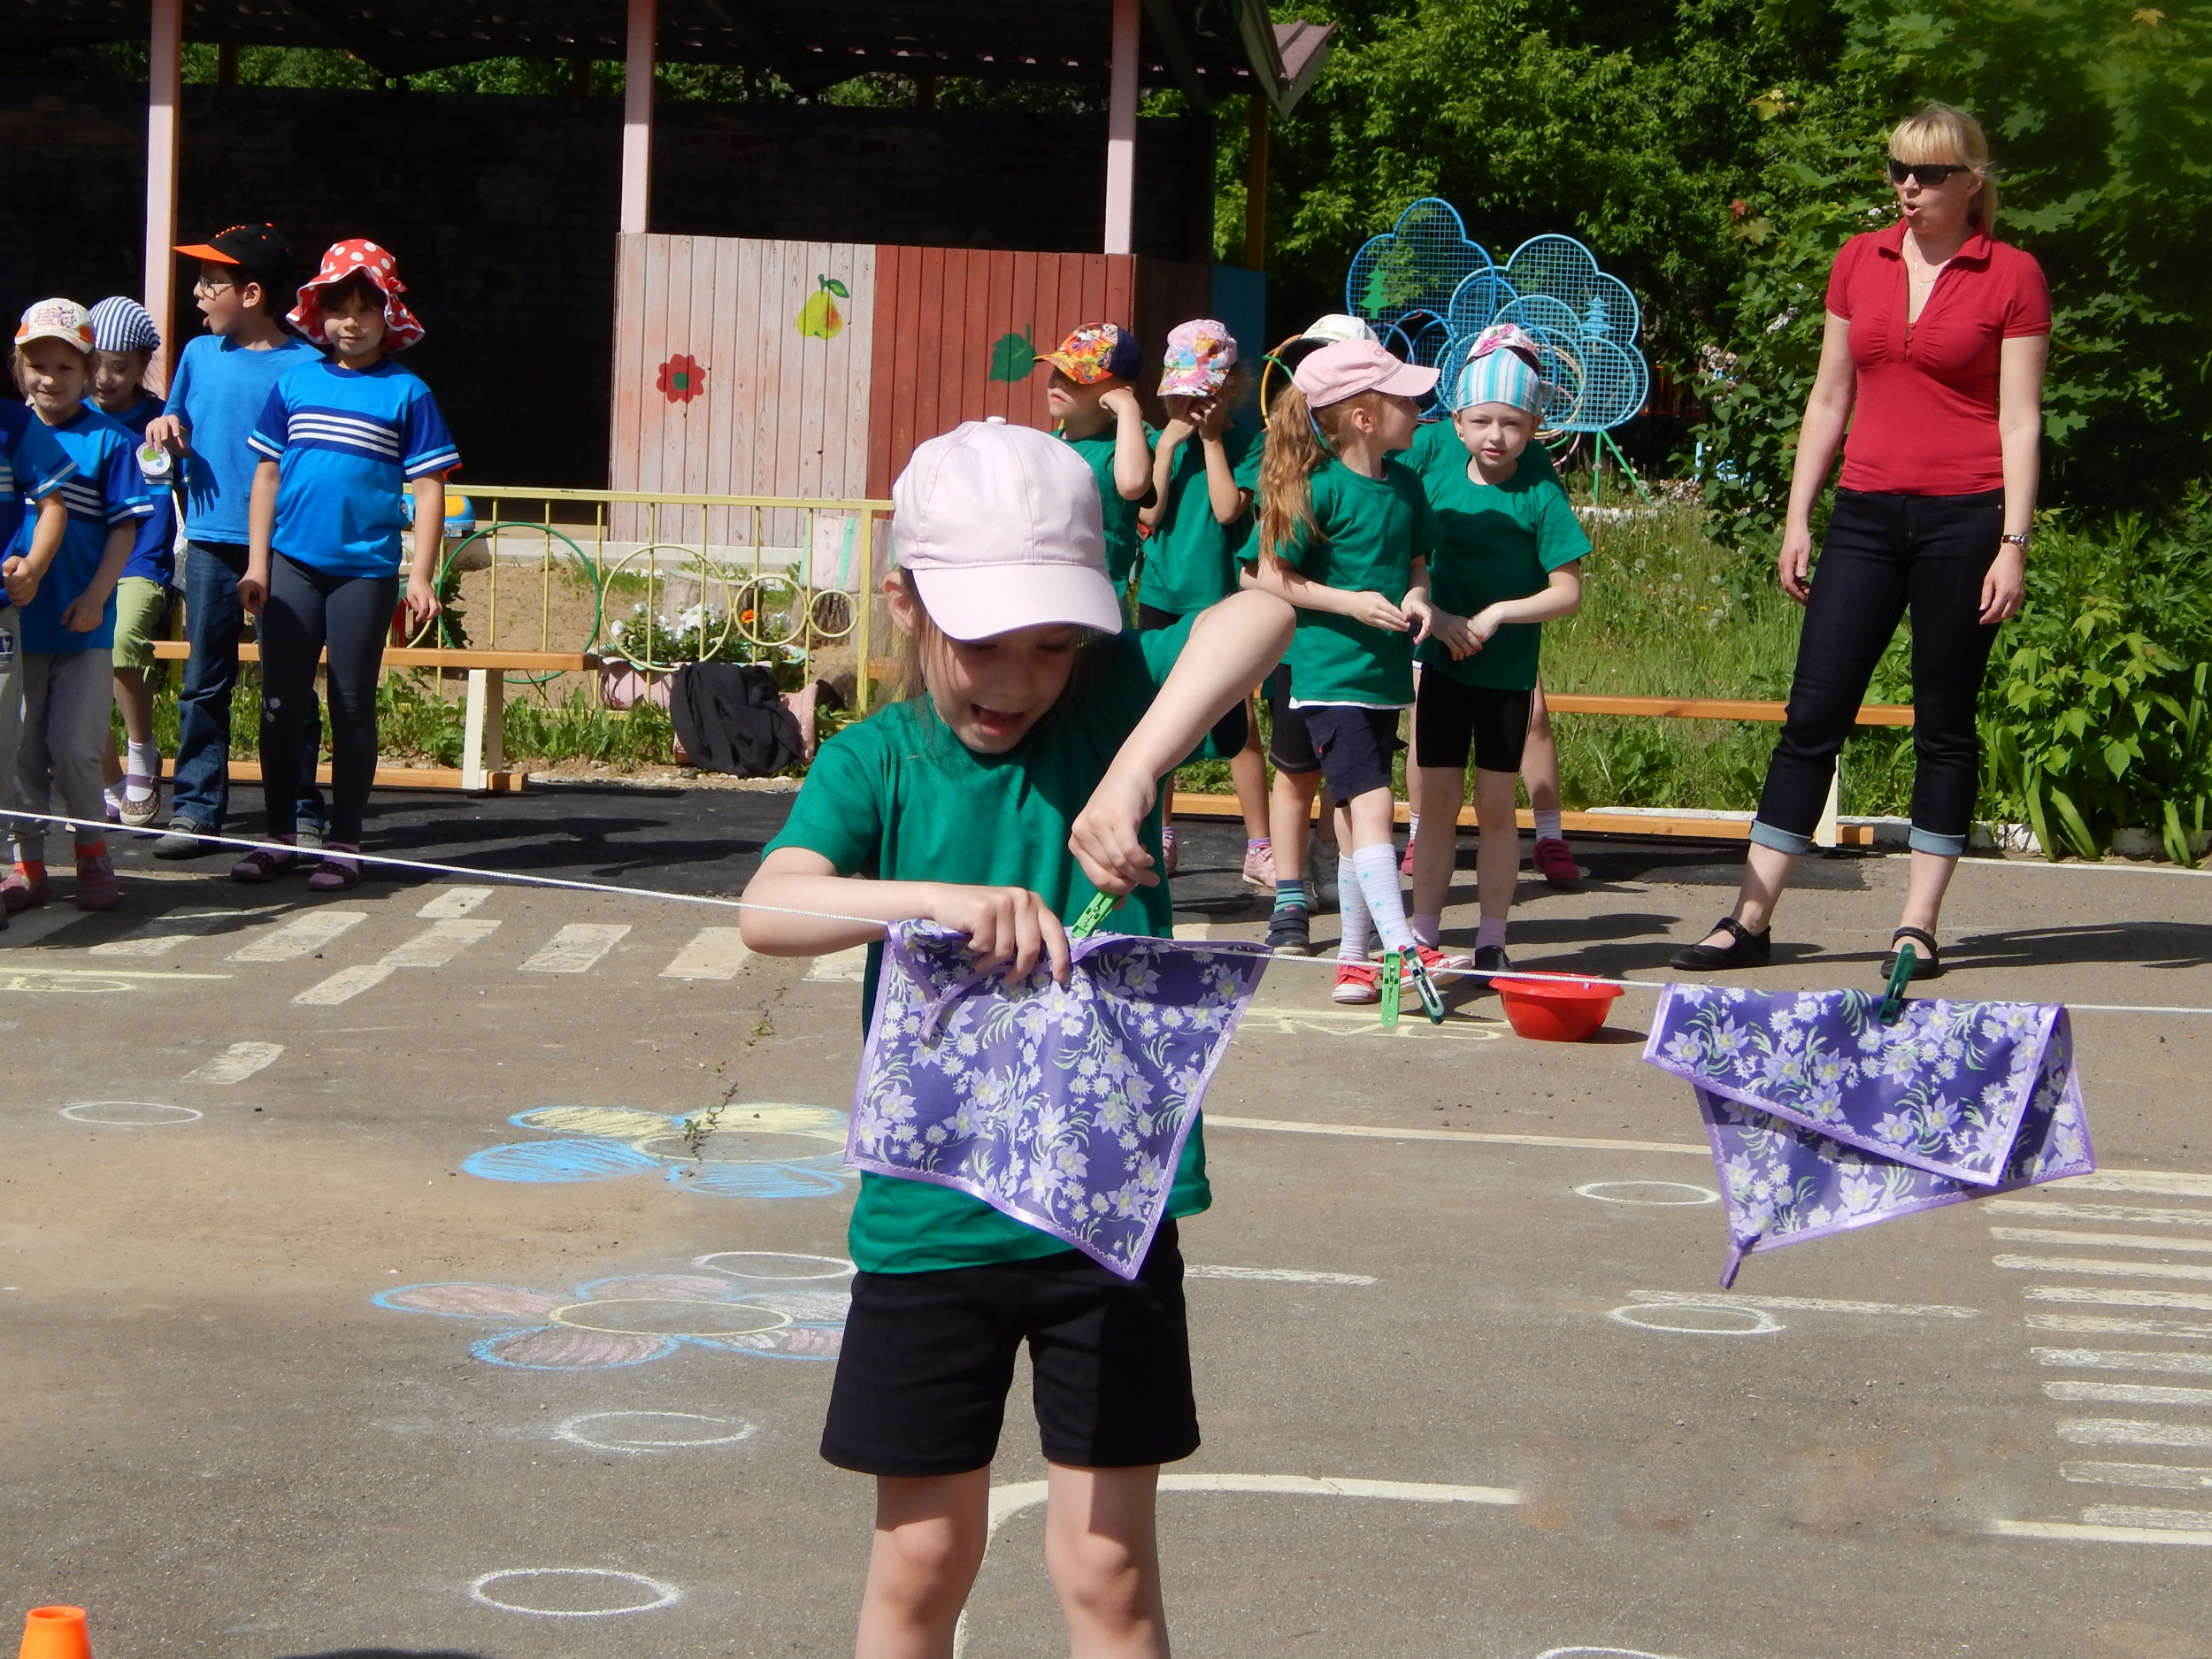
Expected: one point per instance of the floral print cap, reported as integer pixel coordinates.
(1200, 355)
(1095, 352)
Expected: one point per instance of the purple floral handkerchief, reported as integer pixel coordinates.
(1822, 1119)
(1064, 1106)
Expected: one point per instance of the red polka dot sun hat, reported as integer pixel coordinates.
(341, 260)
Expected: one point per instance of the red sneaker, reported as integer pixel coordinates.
(1355, 982)
(1555, 862)
(1405, 865)
(1444, 960)
(97, 887)
(19, 891)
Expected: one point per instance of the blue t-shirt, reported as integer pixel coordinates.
(218, 393)
(348, 443)
(108, 490)
(155, 555)
(31, 467)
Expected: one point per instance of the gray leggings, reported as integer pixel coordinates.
(310, 611)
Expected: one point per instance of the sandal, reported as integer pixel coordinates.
(142, 811)
(1927, 961)
(337, 872)
(264, 864)
(1745, 949)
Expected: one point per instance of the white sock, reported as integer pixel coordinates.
(1378, 867)
(1427, 929)
(146, 761)
(1490, 931)
(1547, 826)
(1352, 913)
(1413, 826)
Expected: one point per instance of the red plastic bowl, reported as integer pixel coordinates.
(1554, 1011)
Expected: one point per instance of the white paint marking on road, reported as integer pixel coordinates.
(448, 902)
(2131, 1514)
(2092, 1324)
(2069, 1533)
(439, 943)
(2127, 1432)
(2102, 1297)
(2098, 1267)
(2105, 1213)
(2114, 1393)
(662, 1594)
(1194, 930)
(714, 953)
(841, 967)
(1598, 1653)
(344, 985)
(2124, 1359)
(667, 1430)
(576, 947)
(1294, 1020)
(1804, 1304)
(33, 925)
(28, 970)
(1695, 1319)
(2110, 1241)
(1619, 1192)
(1278, 1275)
(163, 934)
(236, 1063)
(301, 936)
(1370, 1131)
(2165, 1477)
(2172, 1183)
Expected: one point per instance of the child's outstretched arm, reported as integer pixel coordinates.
(1003, 925)
(1231, 649)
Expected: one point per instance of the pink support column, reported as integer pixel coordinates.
(637, 119)
(165, 91)
(1121, 132)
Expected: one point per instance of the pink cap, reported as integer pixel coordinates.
(999, 528)
(1352, 366)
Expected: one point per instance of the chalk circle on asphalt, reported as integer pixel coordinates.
(579, 1582)
(652, 1431)
(1598, 1653)
(669, 1316)
(1696, 1318)
(135, 1114)
(766, 1267)
(1659, 1194)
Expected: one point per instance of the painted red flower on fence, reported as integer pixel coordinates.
(682, 379)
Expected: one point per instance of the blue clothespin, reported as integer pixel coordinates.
(1900, 977)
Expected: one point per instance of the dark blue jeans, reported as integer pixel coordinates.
(1884, 554)
(213, 619)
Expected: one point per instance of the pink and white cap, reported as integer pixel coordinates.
(1352, 366)
(999, 528)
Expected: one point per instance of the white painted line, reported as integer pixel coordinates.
(236, 1063)
(344, 985)
(1278, 1275)
(439, 943)
(2104, 1212)
(2126, 1395)
(163, 934)
(33, 925)
(1194, 930)
(2095, 1534)
(2124, 1359)
(1009, 1501)
(33, 970)
(714, 953)
(2092, 1325)
(448, 902)
(2112, 1241)
(661, 1595)
(576, 947)
(2172, 1183)
(301, 936)
(2165, 1477)
(2098, 1267)
(2098, 1294)
(1804, 1304)
(1370, 1131)
(2124, 1431)
(2130, 1515)
(841, 967)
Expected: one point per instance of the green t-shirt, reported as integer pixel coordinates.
(1494, 541)
(1120, 513)
(1190, 559)
(1374, 529)
(898, 797)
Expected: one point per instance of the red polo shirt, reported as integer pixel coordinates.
(1925, 419)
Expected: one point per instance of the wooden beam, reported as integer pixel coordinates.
(1687, 826)
(1711, 707)
(164, 98)
(1121, 133)
(1175, 47)
(637, 119)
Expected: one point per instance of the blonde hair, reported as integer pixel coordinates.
(1296, 451)
(1943, 133)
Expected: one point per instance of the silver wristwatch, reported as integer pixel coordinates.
(2018, 538)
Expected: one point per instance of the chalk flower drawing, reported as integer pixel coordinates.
(634, 1318)
(756, 1149)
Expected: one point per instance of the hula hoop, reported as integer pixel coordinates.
(706, 569)
(576, 552)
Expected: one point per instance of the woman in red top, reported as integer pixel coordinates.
(1933, 359)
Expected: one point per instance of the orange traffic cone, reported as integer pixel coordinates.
(55, 1632)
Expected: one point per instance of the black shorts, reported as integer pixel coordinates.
(1290, 746)
(1233, 729)
(1354, 745)
(1449, 718)
(921, 1384)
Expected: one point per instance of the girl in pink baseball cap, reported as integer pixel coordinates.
(1020, 779)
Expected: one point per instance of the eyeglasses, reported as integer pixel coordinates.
(212, 285)
(1931, 173)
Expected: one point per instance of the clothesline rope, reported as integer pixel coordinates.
(564, 884)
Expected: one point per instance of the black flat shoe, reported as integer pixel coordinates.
(1747, 949)
(1927, 962)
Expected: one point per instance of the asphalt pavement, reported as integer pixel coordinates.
(362, 1292)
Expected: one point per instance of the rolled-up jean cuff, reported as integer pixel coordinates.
(1925, 841)
(1781, 840)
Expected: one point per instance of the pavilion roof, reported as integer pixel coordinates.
(1207, 47)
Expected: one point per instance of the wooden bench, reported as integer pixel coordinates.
(483, 737)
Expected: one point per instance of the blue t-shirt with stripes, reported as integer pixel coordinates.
(348, 443)
(106, 490)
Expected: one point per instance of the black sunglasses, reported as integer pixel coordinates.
(1930, 174)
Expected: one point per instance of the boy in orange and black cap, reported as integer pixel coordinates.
(1096, 407)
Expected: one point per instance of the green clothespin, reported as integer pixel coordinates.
(1392, 965)
(1094, 914)
(1432, 999)
(1900, 977)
